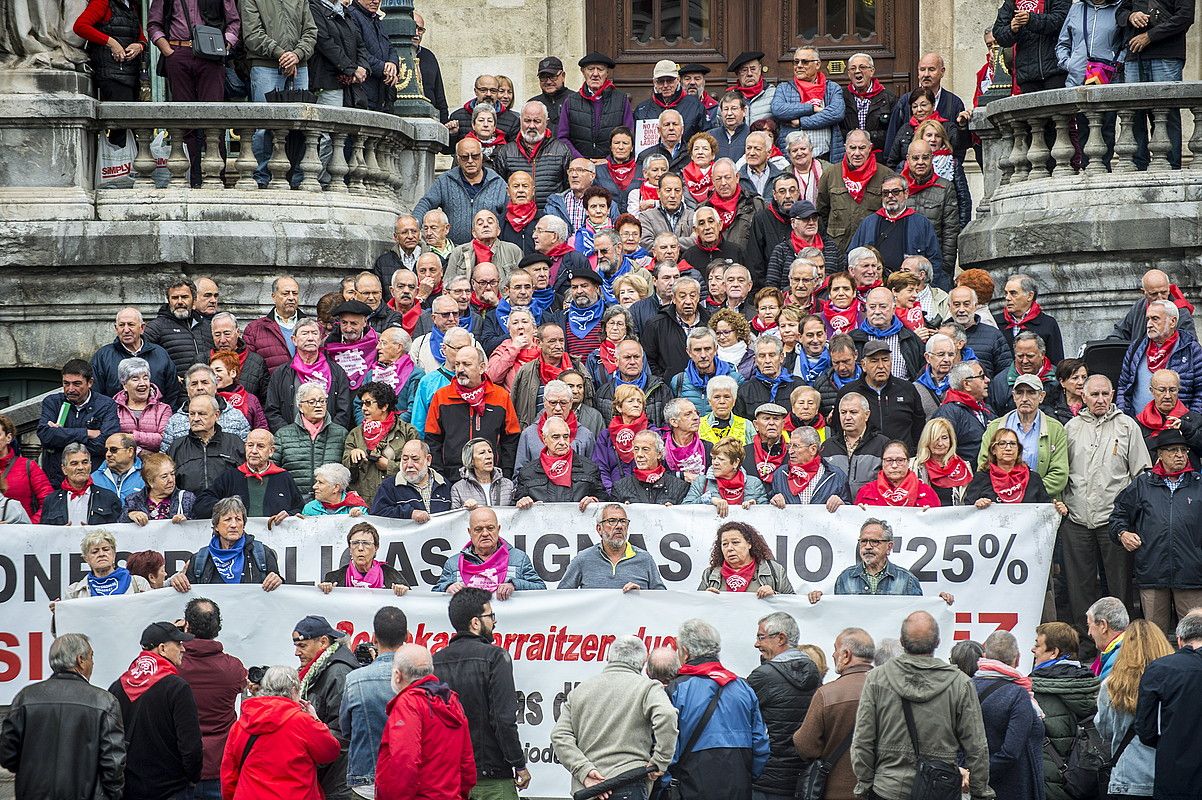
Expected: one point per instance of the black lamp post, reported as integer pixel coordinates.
(400, 28)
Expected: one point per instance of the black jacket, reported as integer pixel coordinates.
(755, 391)
(784, 689)
(876, 120)
(690, 110)
(482, 674)
(202, 570)
(377, 51)
(656, 397)
(1166, 718)
(549, 167)
(398, 499)
(187, 342)
(104, 507)
(668, 490)
(911, 347)
(825, 384)
(553, 102)
(1044, 326)
(767, 232)
(663, 340)
(63, 738)
(1035, 43)
(981, 487)
(281, 494)
(98, 413)
(163, 373)
(739, 231)
(253, 377)
(1134, 324)
(1170, 525)
(991, 348)
(325, 693)
(1171, 20)
(338, 50)
(199, 465)
(532, 481)
(864, 464)
(162, 734)
(896, 410)
(969, 428)
(280, 407)
(432, 86)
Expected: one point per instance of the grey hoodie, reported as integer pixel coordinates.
(947, 716)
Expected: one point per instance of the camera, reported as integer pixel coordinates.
(365, 653)
(255, 674)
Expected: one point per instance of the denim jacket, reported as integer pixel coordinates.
(1136, 767)
(895, 580)
(365, 698)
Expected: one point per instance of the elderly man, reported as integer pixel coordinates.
(811, 103)
(807, 478)
(521, 210)
(232, 556)
(370, 292)
(854, 446)
(651, 482)
(758, 170)
(310, 365)
(770, 382)
(464, 189)
(79, 501)
(1164, 347)
(532, 378)
(934, 382)
(426, 350)
(1154, 518)
(692, 78)
(1155, 285)
(866, 103)
(470, 407)
(709, 244)
(551, 80)
(484, 245)
(417, 491)
(589, 116)
(77, 415)
(881, 324)
(664, 335)
(668, 94)
(663, 278)
(557, 402)
(964, 407)
(702, 364)
(850, 191)
(844, 368)
(551, 247)
(1030, 358)
(226, 336)
(806, 274)
(582, 316)
(207, 450)
(436, 239)
(536, 152)
(772, 226)
(121, 471)
(130, 343)
(407, 246)
(488, 561)
(803, 234)
(614, 563)
(592, 747)
(1044, 444)
(735, 201)
(670, 214)
(731, 132)
(633, 369)
(179, 328)
(934, 198)
(271, 335)
(769, 446)
(1021, 313)
(896, 406)
(487, 92)
(986, 341)
(352, 345)
(896, 232)
(557, 475)
(672, 139)
(931, 70)
(748, 69)
(202, 381)
(1107, 621)
(1167, 413)
(1106, 451)
(732, 752)
(273, 494)
(736, 280)
(865, 269)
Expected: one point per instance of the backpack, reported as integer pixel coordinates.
(1086, 771)
(257, 552)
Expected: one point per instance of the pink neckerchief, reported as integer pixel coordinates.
(490, 574)
(313, 373)
(372, 579)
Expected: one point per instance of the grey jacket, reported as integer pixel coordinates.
(938, 203)
(271, 28)
(654, 222)
(767, 573)
(449, 192)
(592, 569)
(500, 491)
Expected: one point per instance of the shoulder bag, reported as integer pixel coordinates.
(934, 779)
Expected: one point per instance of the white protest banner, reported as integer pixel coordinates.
(556, 639)
(994, 561)
(646, 135)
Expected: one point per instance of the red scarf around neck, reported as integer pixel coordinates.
(650, 475)
(557, 468)
(699, 182)
(1158, 469)
(483, 252)
(473, 397)
(840, 320)
(737, 580)
(594, 97)
(800, 244)
(529, 152)
(1151, 418)
(374, 431)
(885, 215)
(608, 353)
(856, 180)
(965, 399)
(268, 471)
(622, 174)
(914, 187)
(800, 475)
(726, 208)
(146, 670)
(933, 117)
(520, 215)
(1158, 354)
(750, 92)
(811, 91)
(72, 492)
(955, 472)
(766, 464)
(648, 192)
(497, 140)
(872, 91)
(904, 494)
(1011, 487)
(1021, 324)
(549, 372)
(573, 424)
(621, 435)
(731, 489)
(911, 317)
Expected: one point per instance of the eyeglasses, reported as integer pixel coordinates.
(490, 615)
(806, 60)
(874, 542)
(363, 543)
(314, 401)
(116, 449)
(470, 156)
(479, 282)
(1006, 443)
(976, 377)
(616, 522)
(892, 192)
(894, 460)
(759, 637)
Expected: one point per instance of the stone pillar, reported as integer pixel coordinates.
(400, 28)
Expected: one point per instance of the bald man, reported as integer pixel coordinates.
(463, 190)
(1155, 285)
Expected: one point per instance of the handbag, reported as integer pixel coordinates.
(811, 784)
(672, 790)
(208, 43)
(934, 779)
(1086, 771)
(1098, 71)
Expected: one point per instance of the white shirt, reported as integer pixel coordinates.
(77, 508)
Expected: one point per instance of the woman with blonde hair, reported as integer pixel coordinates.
(945, 163)
(937, 464)
(1134, 762)
(630, 288)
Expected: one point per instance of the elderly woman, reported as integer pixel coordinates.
(722, 422)
(807, 478)
(630, 237)
(934, 301)
(617, 325)
(614, 451)
(363, 570)
(734, 340)
(697, 174)
(481, 482)
(906, 307)
(620, 172)
(1007, 478)
(331, 495)
(148, 564)
(372, 451)
(805, 410)
(685, 452)
(160, 498)
(227, 366)
(896, 484)
(141, 411)
(99, 550)
(311, 440)
(1071, 373)
(646, 195)
(741, 561)
(597, 202)
(484, 130)
(806, 168)
(25, 481)
(937, 464)
(768, 304)
(515, 352)
(725, 483)
(922, 108)
(630, 288)
(231, 556)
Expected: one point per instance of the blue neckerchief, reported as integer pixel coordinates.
(541, 301)
(840, 382)
(502, 310)
(465, 321)
(640, 381)
(782, 378)
(583, 242)
(116, 582)
(608, 278)
(967, 354)
(926, 380)
(694, 377)
(809, 370)
(882, 333)
(1050, 662)
(230, 562)
(436, 346)
(582, 321)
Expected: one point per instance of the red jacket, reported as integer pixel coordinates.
(870, 495)
(426, 751)
(217, 679)
(98, 12)
(263, 336)
(25, 481)
(282, 763)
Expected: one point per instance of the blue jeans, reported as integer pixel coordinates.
(325, 145)
(262, 81)
(1147, 71)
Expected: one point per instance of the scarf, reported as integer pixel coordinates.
(939, 389)
(528, 151)
(904, 494)
(737, 580)
(72, 492)
(622, 174)
(1158, 469)
(996, 670)
(684, 458)
(593, 97)
(394, 375)
(943, 161)
(862, 291)
(783, 378)
(811, 91)
(912, 317)
(308, 672)
(487, 575)
(699, 182)
(558, 469)
(695, 378)
(914, 187)
(933, 116)
(726, 208)
(235, 396)
(731, 489)
(408, 318)
(872, 91)
(840, 382)
(372, 579)
(649, 476)
(621, 436)
(965, 399)
(374, 431)
(482, 307)
(549, 372)
(1102, 662)
(355, 358)
(1174, 294)
(608, 353)
(767, 464)
(582, 321)
(856, 180)
(473, 398)
(314, 429)
(639, 381)
(648, 192)
(800, 244)
(840, 320)
(800, 475)
(318, 372)
(880, 212)
(1032, 313)
(760, 326)
(435, 342)
(1011, 487)
(750, 92)
(268, 471)
(146, 670)
(895, 327)
(229, 563)
(1153, 420)
(541, 301)
(1158, 354)
(809, 369)
(348, 500)
(481, 251)
(556, 255)
(497, 139)
(572, 421)
(519, 215)
(955, 472)
(116, 582)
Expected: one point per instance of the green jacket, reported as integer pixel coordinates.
(300, 454)
(366, 476)
(1068, 694)
(1053, 452)
(271, 28)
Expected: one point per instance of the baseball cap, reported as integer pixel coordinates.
(875, 346)
(158, 633)
(1030, 381)
(313, 626)
(802, 209)
(665, 68)
(551, 65)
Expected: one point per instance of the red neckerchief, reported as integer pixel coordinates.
(235, 396)
(884, 215)
(520, 215)
(408, 318)
(793, 422)
(800, 244)
(649, 475)
(800, 475)
(856, 180)
(349, 500)
(911, 317)
(481, 306)
(497, 140)
(1011, 487)
(559, 250)
(530, 154)
(726, 208)
(591, 97)
(621, 435)
(1021, 324)
(482, 251)
(1158, 354)
(715, 247)
(750, 92)
(608, 352)
(945, 476)
(648, 192)
(1174, 294)
(914, 187)
(840, 320)
(765, 463)
(526, 355)
(146, 670)
(811, 91)
(1158, 469)
(934, 117)
(698, 182)
(708, 101)
(904, 494)
(759, 326)
(623, 174)
(965, 399)
(473, 397)
(781, 218)
(872, 91)
(655, 98)
(1153, 420)
(549, 372)
(573, 424)
(731, 489)
(737, 580)
(374, 431)
(268, 471)
(558, 470)
(72, 492)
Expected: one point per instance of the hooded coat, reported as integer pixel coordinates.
(426, 750)
(283, 760)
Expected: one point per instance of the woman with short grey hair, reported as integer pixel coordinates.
(141, 411)
(99, 550)
(481, 482)
(311, 440)
(331, 494)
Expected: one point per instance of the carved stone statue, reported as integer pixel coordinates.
(36, 34)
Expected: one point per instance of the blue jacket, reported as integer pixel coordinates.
(520, 571)
(921, 239)
(98, 413)
(364, 711)
(612, 468)
(895, 581)
(681, 387)
(449, 192)
(377, 51)
(1136, 767)
(705, 488)
(123, 488)
(398, 499)
(1105, 40)
(1015, 736)
(1186, 361)
(832, 483)
(787, 106)
(730, 145)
